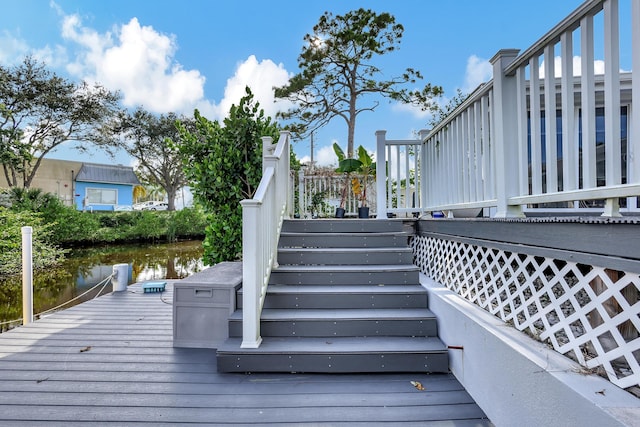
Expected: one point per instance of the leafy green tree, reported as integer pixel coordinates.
(441, 112)
(223, 163)
(45, 254)
(338, 71)
(153, 141)
(39, 111)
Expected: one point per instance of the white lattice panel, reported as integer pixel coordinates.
(588, 313)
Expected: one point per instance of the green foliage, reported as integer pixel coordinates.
(441, 112)
(223, 164)
(69, 227)
(153, 140)
(40, 111)
(338, 71)
(45, 254)
(367, 169)
(319, 205)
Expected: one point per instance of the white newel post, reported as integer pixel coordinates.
(381, 175)
(27, 275)
(251, 276)
(506, 134)
(302, 210)
(422, 169)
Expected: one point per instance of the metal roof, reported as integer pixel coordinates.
(112, 174)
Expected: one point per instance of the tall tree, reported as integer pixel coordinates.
(153, 140)
(224, 166)
(40, 110)
(337, 71)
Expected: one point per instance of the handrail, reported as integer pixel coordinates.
(570, 23)
(262, 218)
(503, 150)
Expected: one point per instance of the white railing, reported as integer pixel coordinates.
(399, 177)
(481, 156)
(262, 218)
(320, 192)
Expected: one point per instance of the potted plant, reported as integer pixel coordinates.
(346, 166)
(367, 169)
(318, 205)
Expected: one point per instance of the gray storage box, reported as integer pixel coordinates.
(202, 304)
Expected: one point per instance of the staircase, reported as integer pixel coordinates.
(345, 298)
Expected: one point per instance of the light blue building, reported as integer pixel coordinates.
(104, 187)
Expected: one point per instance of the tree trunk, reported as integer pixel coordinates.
(171, 198)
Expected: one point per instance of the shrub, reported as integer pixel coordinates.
(44, 253)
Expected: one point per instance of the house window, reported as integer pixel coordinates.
(102, 196)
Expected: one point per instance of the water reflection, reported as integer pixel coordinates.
(84, 268)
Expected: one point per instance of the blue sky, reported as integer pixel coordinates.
(177, 56)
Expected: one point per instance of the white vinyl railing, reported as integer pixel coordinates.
(262, 218)
(482, 155)
(320, 193)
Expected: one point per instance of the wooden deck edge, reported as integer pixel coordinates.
(529, 383)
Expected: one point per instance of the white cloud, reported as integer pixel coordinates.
(12, 49)
(138, 61)
(325, 156)
(261, 77)
(411, 109)
(478, 71)
(598, 67)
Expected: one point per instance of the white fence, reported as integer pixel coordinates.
(262, 219)
(319, 194)
(497, 151)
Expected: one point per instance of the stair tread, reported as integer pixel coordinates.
(368, 268)
(346, 250)
(340, 314)
(349, 233)
(347, 289)
(332, 345)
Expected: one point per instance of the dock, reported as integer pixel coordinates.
(111, 361)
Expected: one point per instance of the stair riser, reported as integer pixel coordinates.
(342, 278)
(342, 226)
(346, 301)
(341, 258)
(341, 328)
(335, 363)
(342, 241)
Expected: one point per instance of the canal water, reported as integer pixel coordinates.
(85, 268)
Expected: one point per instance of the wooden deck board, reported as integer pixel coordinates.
(111, 361)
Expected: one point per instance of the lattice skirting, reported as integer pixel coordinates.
(588, 313)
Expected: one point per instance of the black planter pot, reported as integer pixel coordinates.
(363, 212)
(340, 212)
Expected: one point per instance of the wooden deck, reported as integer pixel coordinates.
(111, 361)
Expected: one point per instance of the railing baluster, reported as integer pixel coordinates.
(551, 138)
(588, 104)
(612, 93)
(569, 142)
(523, 127)
(536, 133)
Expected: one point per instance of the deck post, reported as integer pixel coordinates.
(381, 175)
(27, 275)
(422, 169)
(120, 277)
(251, 275)
(506, 134)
